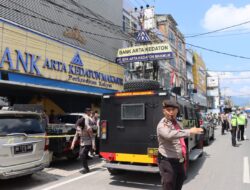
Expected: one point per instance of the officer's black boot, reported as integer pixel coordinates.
(85, 167)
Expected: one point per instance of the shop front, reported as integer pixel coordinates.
(36, 68)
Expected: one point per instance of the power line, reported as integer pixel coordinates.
(145, 2)
(240, 95)
(137, 2)
(238, 71)
(109, 25)
(91, 33)
(211, 50)
(234, 78)
(219, 52)
(131, 3)
(214, 31)
(62, 25)
(226, 35)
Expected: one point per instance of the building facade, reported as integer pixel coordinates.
(60, 54)
(176, 66)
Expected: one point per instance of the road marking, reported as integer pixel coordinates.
(65, 172)
(246, 177)
(71, 180)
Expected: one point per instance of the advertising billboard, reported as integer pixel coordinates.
(199, 73)
(212, 81)
(214, 92)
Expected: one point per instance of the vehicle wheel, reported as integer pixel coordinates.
(201, 155)
(206, 140)
(141, 84)
(114, 171)
(212, 138)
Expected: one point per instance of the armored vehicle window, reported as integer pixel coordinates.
(132, 112)
(23, 124)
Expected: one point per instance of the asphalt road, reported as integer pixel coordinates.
(222, 167)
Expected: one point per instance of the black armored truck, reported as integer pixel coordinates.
(128, 126)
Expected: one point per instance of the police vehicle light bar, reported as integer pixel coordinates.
(139, 93)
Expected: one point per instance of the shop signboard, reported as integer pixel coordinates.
(27, 53)
(213, 92)
(212, 82)
(144, 53)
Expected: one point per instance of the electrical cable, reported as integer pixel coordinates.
(227, 71)
(110, 26)
(226, 35)
(53, 22)
(145, 2)
(218, 30)
(219, 52)
(62, 25)
(138, 3)
(215, 51)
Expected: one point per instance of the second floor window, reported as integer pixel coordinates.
(171, 37)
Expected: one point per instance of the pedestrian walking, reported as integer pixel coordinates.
(234, 124)
(96, 130)
(84, 131)
(172, 148)
(224, 123)
(241, 124)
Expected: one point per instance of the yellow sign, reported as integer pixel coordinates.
(28, 53)
(144, 53)
(199, 73)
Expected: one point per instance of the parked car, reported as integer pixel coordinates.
(208, 127)
(65, 125)
(21, 154)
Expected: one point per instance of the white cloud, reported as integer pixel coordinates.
(219, 16)
(240, 91)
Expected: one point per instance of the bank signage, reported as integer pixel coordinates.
(29, 53)
(144, 53)
(28, 63)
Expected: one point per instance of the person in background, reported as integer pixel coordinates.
(224, 123)
(233, 127)
(52, 116)
(96, 129)
(88, 115)
(172, 148)
(219, 118)
(241, 124)
(84, 131)
(45, 116)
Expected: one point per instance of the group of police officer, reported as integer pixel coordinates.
(238, 122)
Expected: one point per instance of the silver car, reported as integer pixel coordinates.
(23, 146)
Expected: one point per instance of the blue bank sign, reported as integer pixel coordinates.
(74, 71)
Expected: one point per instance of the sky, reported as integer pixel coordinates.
(196, 17)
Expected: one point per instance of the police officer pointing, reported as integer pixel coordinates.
(172, 148)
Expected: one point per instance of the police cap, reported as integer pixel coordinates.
(170, 103)
(87, 110)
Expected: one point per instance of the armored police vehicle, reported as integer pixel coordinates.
(128, 126)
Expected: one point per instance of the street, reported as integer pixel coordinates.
(221, 167)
